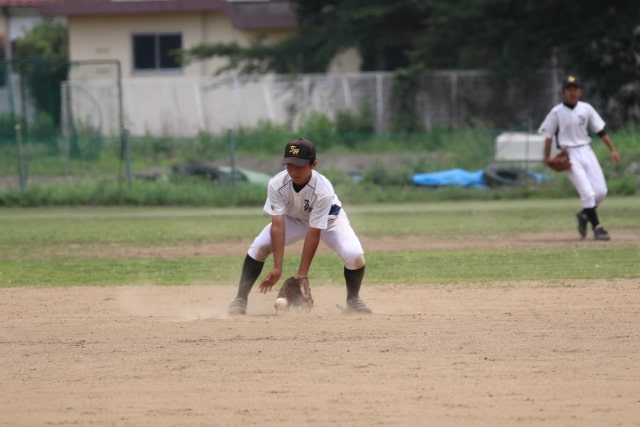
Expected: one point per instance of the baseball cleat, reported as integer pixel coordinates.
(356, 305)
(601, 234)
(582, 224)
(238, 307)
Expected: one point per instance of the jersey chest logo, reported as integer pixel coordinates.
(582, 120)
(307, 205)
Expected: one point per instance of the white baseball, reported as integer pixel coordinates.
(281, 304)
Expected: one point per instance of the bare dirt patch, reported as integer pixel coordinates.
(557, 353)
(563, 240)
(526, 354)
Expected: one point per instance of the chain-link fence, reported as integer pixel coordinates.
(56, 114)
(443, 100)
(70, 119)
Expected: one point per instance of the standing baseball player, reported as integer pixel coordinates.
(570, 122)
(302, 205)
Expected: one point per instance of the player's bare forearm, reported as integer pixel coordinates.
(277, 240)
(547, 149)
(609, 143)
(277, 244)
(311, 242)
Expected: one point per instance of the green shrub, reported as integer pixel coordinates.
(265, 138)
(351, 126)
(96, 178)
(42, 127)
(8, 124)
(85, 142)
(336, 176)
(624, 186)
(159, 193)
(318, 128)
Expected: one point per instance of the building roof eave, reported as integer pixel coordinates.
(252, 16)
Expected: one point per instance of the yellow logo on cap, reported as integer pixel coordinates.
(294, 150)
(571, 79)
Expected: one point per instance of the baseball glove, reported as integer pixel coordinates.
(560, 162)
(297, 293)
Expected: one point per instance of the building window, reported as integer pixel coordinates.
(153, 51)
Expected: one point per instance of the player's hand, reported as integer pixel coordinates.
(271, 279)
(615, 156)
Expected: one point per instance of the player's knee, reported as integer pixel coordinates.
(355, 262)
(260, 253)
(588, 199)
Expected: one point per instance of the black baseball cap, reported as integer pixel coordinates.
(299, 152)
(571, 80)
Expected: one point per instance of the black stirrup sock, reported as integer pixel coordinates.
(592, 215)
(251, 269)
(354, 281)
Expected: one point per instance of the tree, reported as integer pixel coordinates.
(381, 30)
(3, 68)
(600, 41)
(42, 60)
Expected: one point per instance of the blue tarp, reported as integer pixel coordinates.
(459, 177)
(464, 178)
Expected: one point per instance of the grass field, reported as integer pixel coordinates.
(182, 246)
(484, 314)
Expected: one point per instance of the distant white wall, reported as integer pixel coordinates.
(184, 106)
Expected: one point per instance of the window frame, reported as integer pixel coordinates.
(157, 54)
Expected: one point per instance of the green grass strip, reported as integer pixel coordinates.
(428, 267)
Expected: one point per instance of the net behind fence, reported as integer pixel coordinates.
(62, 119)
(92, 99)
(183, 107)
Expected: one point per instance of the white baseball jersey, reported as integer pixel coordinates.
(316, 203)
(570, 126)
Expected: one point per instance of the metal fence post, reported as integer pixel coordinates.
(232, 159)
(22, 166)
(127, 155)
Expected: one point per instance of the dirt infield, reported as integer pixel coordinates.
(503, 354)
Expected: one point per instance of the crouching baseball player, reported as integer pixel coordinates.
(302, 205)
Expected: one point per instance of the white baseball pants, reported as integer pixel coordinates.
(586, 176)
(339, 236)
